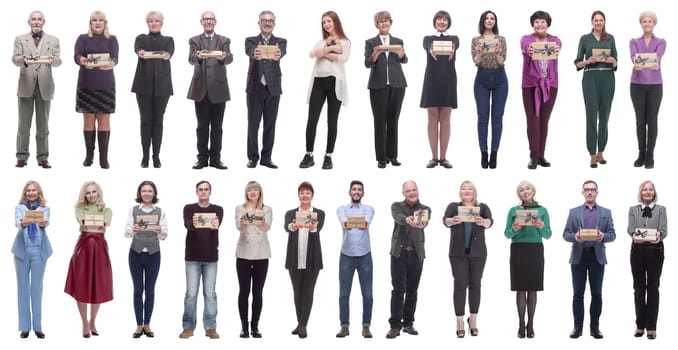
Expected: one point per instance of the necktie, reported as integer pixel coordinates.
(265, 41)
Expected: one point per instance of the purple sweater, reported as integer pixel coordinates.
(95, 79)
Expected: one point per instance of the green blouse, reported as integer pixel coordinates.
(528, 234)
(91, 209)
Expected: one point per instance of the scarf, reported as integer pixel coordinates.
(530, 205)
(32, 228)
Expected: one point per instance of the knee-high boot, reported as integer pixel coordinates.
(104, 137)
(90, 138)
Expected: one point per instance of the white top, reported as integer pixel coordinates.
(324, 67)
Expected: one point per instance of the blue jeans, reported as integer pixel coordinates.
(194, 271)
(588, 265)
(491, 90)
(144, 269)
(347, 266)
(29, 274)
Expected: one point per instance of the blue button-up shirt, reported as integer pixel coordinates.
(355, 242)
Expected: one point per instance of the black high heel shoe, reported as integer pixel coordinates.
(473, 331)
(521, 332)
(530, 332)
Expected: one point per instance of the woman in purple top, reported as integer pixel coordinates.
(96, 53)
(540, 84)
(646, 87)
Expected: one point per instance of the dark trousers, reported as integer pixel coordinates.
(152, 112)
(386, 104)
(588, 267)
(538, 125)
(647, 260)
(303, 285)
(251, 274)
(646, 101)
(144, 268)
(209, 131)
(323, 89)
(467, 273)
(598, 89)
(261, 105)
(491, 91)
(405, 275)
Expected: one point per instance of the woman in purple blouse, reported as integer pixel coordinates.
(96, 53)
(540, 84)
(646, 87)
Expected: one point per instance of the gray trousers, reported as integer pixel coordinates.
(26, 107)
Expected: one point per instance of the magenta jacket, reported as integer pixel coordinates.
(532, 70)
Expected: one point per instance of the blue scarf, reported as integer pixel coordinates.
(32, 228)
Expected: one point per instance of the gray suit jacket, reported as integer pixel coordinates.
(32, 74)
(400, 211)
(209, 74)
(378, 69)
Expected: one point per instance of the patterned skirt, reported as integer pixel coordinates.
(95, 101)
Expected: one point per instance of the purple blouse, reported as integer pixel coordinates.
(95, 78)
(532, 70)
(647, 76)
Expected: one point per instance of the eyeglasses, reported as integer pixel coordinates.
(212, 19)
(592, 190)
(201, 189)
(267, 21)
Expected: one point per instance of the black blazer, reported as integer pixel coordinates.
(377, 78)
(314, 255)
(457, 232)
(270, 69)
(209, 74)
(153, 76)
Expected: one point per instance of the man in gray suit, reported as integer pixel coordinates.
(384, 55)
(209, 54)
(35, 54)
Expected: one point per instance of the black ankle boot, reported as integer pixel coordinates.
(493, 160)
(254, 325)
(244, 333)
(641, 159)
(483, 159)
(649, 160)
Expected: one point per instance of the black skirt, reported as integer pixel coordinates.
(527, 267)
(95, 101)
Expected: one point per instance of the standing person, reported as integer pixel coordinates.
(95, 97)
(304, 258)
(201, 220)
(407, 258)
(209, 53)
(439, 94)
(646, 88)
(263, 89)
(328, 82)
(153, 84)
(587, 257)
(35, 54)
(598, 84)
(490, 87)
(147, 226)
(384, 55)
(467, 254)
(540, 85)
(31, 249)
(253, 220)
(647, 257)
(90, 276)
(527, 255)
(356, 255)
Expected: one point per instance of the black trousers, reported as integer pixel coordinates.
(386, 104)
(152, 112)
(261, 105)
(646, 101)
(323, 89)
(467, 273)
(209, 131)
(405, 275)
(303, 285)
(647, 260)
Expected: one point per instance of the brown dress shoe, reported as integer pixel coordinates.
(20, 163)
(410, 330)
(392, 333)
(343, 332)
(366, 332)
(186, 333)
(44, 164)
(212, 334)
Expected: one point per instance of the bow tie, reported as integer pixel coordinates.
(647, 212)
(37, 35)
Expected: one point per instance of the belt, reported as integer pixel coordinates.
(589, 249)
(408, 248)
(597, 69)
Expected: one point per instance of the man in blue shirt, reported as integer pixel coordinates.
(355, 219)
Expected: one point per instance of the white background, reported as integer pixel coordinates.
(558, 187)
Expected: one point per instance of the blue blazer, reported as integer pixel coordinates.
(575, 221)
(19, 246)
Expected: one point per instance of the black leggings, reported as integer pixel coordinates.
(251, 273)
(323, 88)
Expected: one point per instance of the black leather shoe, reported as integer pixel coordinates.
(533, 164)
(392, 333)
(156, 162)
(149, 334)
(218, 165)
(381, 164)
(251, 163)
(23, 335)
(639, 333)
(144, 162)
(597, 334)
(432, 163)
(639, 162)
(410, 330)
(269, 164)
(529, 332)
(445, 164)
(394, 162)
(543, 162)
(651, 336)
(40, 334)
(649, 163)
(327, 163)
(307, 162)
(521, 332)
(302, 332)
(136, 335)
(199, 165)
(576, 333)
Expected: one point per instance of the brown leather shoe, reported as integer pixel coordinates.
(410, 330)
(343, 332)
(20, 163)
(392, 333)
(186, 333)
(212, 334)
(366, 332)
(44, 164)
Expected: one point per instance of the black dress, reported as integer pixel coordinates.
(440, 78)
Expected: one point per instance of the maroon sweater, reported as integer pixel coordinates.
(202, 244)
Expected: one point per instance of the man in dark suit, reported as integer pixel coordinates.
(263, 89)
(35, 54)
(384, 55)
(209, 54)
(588, 255)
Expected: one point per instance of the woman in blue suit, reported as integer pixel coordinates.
(31, 249)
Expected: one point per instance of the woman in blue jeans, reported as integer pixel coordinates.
(491, 86)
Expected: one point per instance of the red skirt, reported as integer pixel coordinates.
(90, 277)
